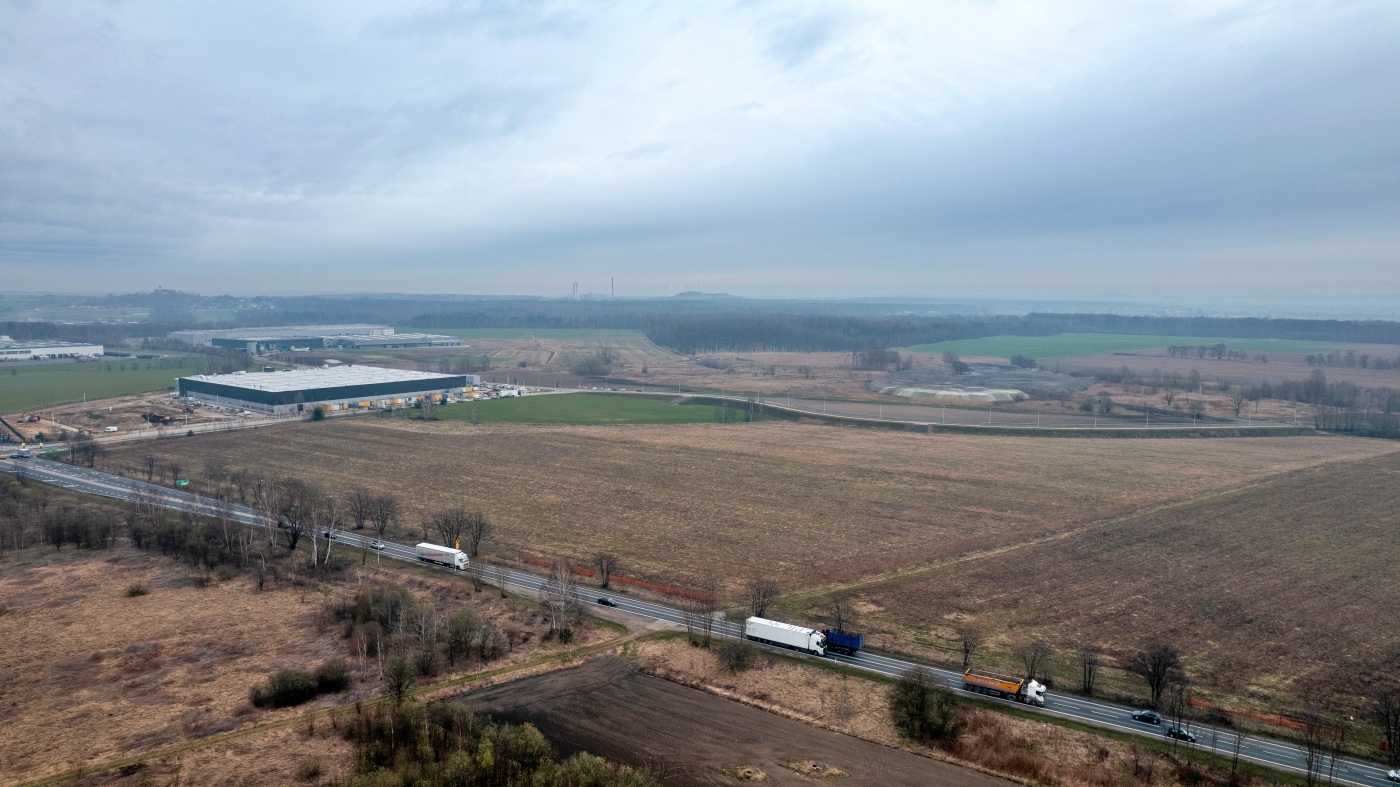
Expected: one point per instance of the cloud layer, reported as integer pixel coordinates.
(784, 148)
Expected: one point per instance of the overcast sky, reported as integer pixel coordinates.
(810, 148)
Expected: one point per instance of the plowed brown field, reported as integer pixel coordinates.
(809, 505)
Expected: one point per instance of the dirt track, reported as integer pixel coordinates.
(689, 737)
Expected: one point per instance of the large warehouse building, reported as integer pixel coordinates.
(336, 388)
(11, 350)
(256, 341)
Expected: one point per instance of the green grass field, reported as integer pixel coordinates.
(28, 387)
(578, 409)
(618, 334)
(1067, 345)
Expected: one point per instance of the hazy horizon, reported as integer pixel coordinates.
(1240, 151)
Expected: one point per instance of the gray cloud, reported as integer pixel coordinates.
(798, 148)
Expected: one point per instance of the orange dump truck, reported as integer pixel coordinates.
(1030, 692)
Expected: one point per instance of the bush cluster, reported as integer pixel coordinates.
(293, 686)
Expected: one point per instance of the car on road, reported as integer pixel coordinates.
(1180, 734)
(1393, 775)
(607, 602)
(1147, 716)
(376, 545)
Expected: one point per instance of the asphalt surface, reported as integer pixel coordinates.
(1276, 754)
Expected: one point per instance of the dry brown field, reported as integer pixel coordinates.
(809, 505)
(1270, 590)
(1280, 368)
(89, 674)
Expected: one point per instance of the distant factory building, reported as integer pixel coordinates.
(334, 388)
(11, 350)
(256, 341)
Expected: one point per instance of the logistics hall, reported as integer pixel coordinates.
(334, 388)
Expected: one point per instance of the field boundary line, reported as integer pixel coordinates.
(417, 693)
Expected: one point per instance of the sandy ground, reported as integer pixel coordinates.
(690, 737)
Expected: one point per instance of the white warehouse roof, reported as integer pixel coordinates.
(302, 379)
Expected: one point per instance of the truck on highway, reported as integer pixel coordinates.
(785, 635)
(1028, 691)
(844, 642)
(443, 556)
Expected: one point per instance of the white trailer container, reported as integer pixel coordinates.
(445, 556)
(785, 635)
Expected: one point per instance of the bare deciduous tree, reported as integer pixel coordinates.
(603, 564)
(295, 505)
(839, 613)
(1159, 666)
(384, 512)
(1033, 654)
(561, 606)
(1090, 659)
(1316, 734)
(173, 466)
(398, 679)
(761, 592)
(359, 504)
(152, 465)
(478, 527)
(462, 630)
(970, 639)
(449, 526)
(1386, 715)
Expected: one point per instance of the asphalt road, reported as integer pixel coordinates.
(1277, 754)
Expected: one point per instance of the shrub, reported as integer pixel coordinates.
(284, 689)
(137, 589)
(735, 656)
(309, 770)
(922, 710)
(333, 676)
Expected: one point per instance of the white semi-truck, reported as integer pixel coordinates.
(443, 556)
(785, 635)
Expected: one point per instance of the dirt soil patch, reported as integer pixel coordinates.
(808, 505)
(690, 737)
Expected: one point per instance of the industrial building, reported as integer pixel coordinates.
(11, 350)
(334, 388)
(256, 341)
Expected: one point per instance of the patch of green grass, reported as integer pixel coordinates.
(578, 409)
(617, 334)
(30, 387)
(1066, 345)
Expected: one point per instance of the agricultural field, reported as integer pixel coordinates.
(1270, 590)
(812, 505)
(32, 386)
(1280, 368)
(1067, 345)
(578, 409)
(1073, 537)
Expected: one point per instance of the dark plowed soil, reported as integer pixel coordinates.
(688, 737)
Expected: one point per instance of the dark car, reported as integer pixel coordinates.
(1181, 735)
(1147, 716)
(607, 602)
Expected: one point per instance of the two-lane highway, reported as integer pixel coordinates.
(1274, 753)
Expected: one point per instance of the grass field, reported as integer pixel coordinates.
(29, 387)
(617, 334)
(578, 409)
(1067, 345)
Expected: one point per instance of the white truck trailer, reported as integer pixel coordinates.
(444, 556)
(785, 635)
